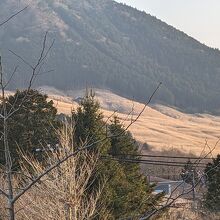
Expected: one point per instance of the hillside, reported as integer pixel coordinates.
(161, 127)
(104, 44)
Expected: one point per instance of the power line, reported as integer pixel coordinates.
(156, 161)
(163, 156)
(150, 162)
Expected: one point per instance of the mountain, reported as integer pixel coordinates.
(104, 44)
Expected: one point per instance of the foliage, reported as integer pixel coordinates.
(89, 125)
(137, 198)
(32, 125)
(127, 193)
(212, 198)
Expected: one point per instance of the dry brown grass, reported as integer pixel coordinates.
(159, 126)
(188, 213)
(63, 193)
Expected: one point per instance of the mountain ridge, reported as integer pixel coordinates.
(101, 43)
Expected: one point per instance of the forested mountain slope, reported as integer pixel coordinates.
(105, 44)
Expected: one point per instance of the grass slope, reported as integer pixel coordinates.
(160, 126)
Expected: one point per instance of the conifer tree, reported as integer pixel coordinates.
(127, 193)
(212, 198)
(89, 124)
(32, 125)
(137, 198)
(90, 128)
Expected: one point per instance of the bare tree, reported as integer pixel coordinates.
(6, 114)
(180, 190)
(62, 193)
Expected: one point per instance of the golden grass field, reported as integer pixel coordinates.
(161, 127)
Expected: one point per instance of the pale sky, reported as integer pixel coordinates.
(197, 18)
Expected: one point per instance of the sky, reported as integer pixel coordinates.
(198, 18)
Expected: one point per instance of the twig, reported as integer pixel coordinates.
(12, 16)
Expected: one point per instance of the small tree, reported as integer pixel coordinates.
(189, 174)
(31, 126)
(212, 197)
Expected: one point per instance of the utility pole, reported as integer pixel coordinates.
(193, 188)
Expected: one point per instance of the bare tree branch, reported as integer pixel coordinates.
(12, 16)
(169, 204)
(11, 77)
(4, 193)
(21, 58)
(43, 54)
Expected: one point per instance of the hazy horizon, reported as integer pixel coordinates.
(198, 18)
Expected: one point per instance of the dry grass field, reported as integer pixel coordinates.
(161, 127)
